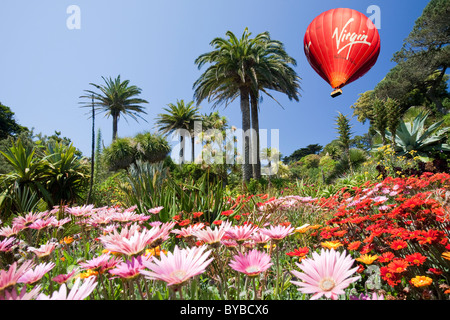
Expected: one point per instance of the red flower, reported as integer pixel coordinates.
(386, 257)
(227, 213)
(218, 222)
(398, 266)
(300, 252)
(437, 272)
(391, 278)
(416, 259)
(177, 217)
(184, 222)
(398, 244)
(354, 245)
(197, 214)
(340, 233)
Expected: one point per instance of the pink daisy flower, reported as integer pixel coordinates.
(10, 231)
(130, 245)
(101, 263)
(42, 223)
(131, 268)
(44, 250)
(7, 243)
(22, 295)
(34, 275)
(59, 223)
(80, 211)
(212, 236)
(10, 278)
(278, 233)
(241, 233)
(188, 231)
(23, 222)
(178, 267)
(63, 278)
(252, 263)
(260, 238)
(327, 274)
(155, 210)
(78, 292)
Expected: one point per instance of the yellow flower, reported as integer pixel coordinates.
(66, 240)
(303, 228)
(331, 244)
(87, 274)
(367, 258)
(446, 255)
(421, 281)
(154, 252)
(117, 254)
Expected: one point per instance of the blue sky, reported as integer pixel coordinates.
(45, 66)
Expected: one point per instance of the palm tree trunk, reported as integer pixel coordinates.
(256, 166)
(245, 109)
(193, 149)
(115, 120)
(182, 144)
(88, 200)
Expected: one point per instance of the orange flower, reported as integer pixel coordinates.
(416, 259)
(218, 222)
(227, 213)
(184, 222)
(154, 252)
(66, 240)
(354, 245)
(300, 252)
(398, 266)
(398, 244)
(386, 257)
(331, 244)
(197, 214)
(446, 255)
(87, 274)
(421, 281)
(367, 258)
(303, 228)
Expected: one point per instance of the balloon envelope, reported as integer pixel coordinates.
(341, 45)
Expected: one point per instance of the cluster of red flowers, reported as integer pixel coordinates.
(403, 221)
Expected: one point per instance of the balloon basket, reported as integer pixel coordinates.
(336, 93)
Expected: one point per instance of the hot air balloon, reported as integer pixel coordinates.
(341, 45)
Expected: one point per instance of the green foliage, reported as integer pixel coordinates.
(150, 185)
(64, 174)
(55, 175)
(300, 153)
(123, 152)
(8, 125)
(415, 136)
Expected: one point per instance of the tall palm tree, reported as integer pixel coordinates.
(274, 73)
(180, 116)
(241, 68)
(116, 98)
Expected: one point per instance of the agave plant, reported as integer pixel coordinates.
(413, 137)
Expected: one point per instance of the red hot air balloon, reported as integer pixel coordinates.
(341, 45)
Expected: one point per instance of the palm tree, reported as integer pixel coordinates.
(273, 73)
(116, 98)
(179, 116)
(242, 67)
